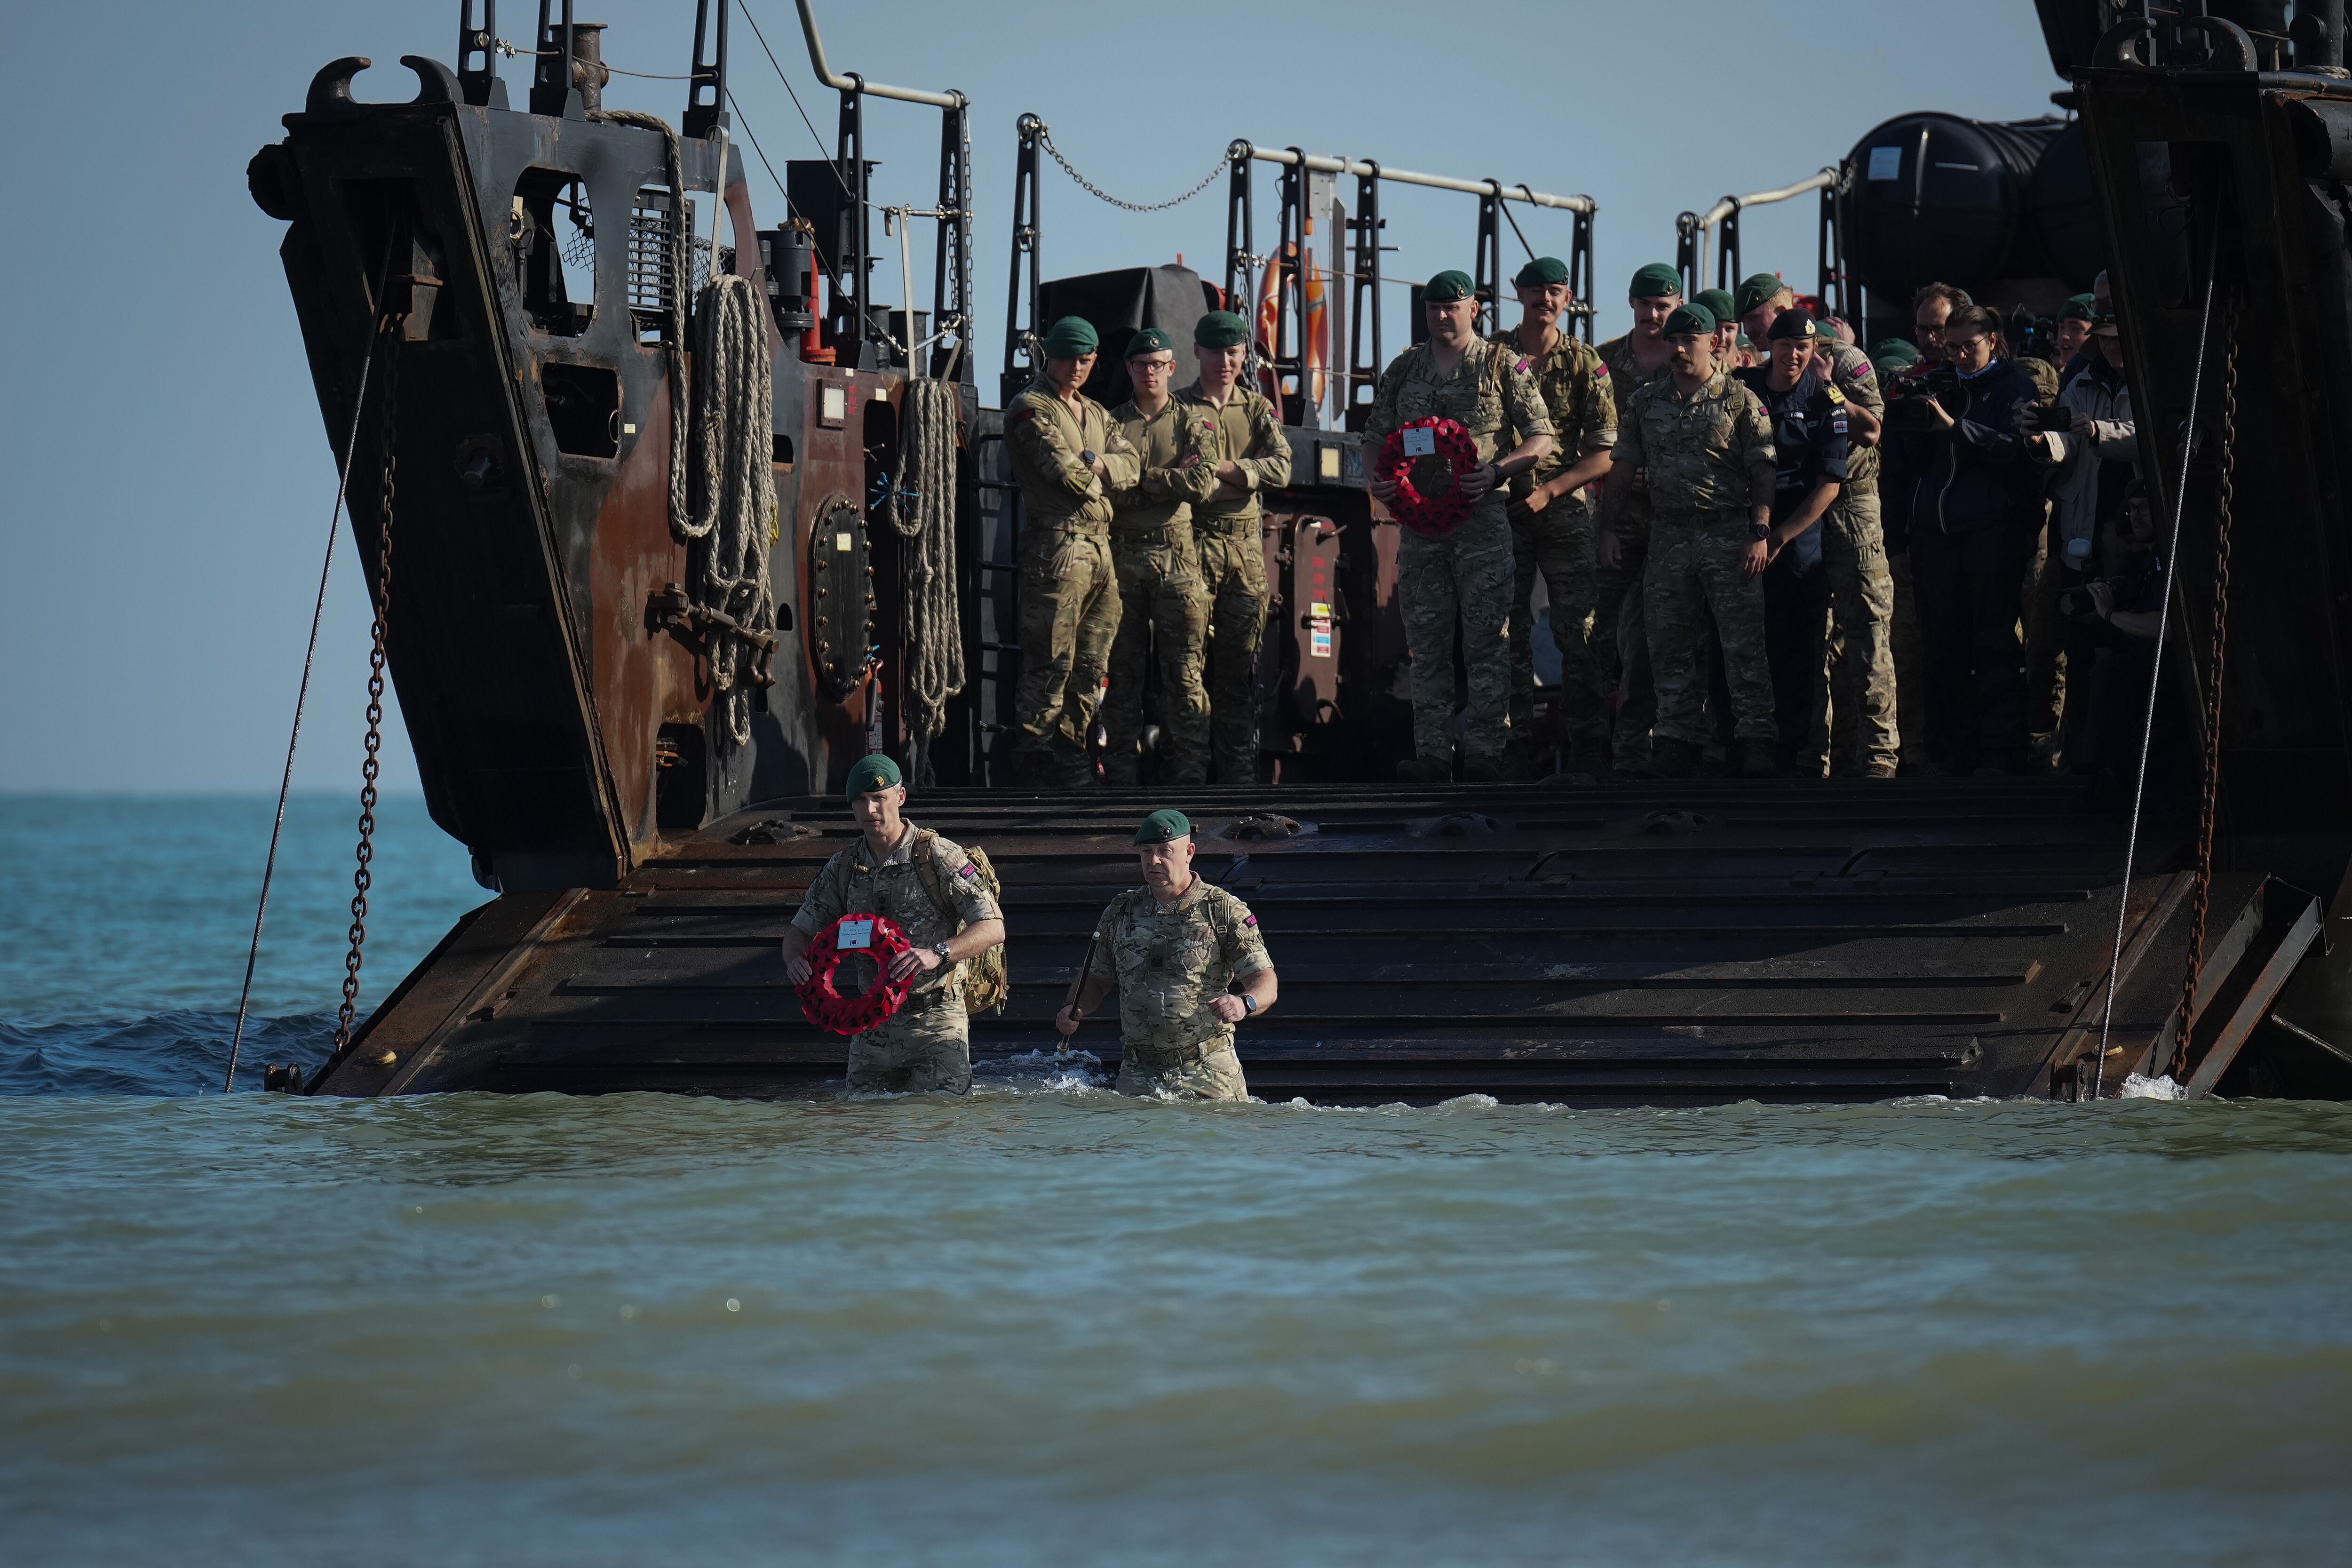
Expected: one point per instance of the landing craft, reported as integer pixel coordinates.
(656, 555)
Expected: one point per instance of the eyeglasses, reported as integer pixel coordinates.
(1961, 345)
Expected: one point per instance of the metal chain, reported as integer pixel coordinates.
(362, 879)
(1045, 139)
(2217, 667)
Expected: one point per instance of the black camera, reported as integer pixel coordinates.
(2048, 419)
(1909, 395)
(2077, 604)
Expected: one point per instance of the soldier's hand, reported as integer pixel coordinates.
(1229, 1008)
(1101, 471)
(1230, 473)
(1383, 491)
(1605, 550)
(1759, 556)
(913, 961)
(1474, 484)
(1537, 499)
(797, 969)
(1066, 1022)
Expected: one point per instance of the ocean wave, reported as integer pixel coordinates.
(175, 1053)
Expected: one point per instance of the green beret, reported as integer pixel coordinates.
(1163, 826)
(1072, 337)
(876, 772)
(1756, 288)
(1690, 318)
(1716, 301)
(2080, 307)
(1899, 350)
(1447, 286)
(1542, 271)
(1655, 281)
(1220, 330)
(1151, 340)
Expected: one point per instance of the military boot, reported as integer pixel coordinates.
(1757, 761)
(1482, 770)
(1425, 769)
(1672, 758)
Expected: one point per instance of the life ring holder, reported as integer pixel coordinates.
(1432, 515)
(825, 1006)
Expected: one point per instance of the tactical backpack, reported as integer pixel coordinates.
(987, 980)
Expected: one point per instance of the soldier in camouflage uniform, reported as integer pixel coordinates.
(1551, 525)
(1164, 609)
(1068, 457)
(1461, 579)
(924, 1047)
(1620, 547)
(1251, 456)
(1859, 734)
(1175, 948)
(1707, 445)
(1728, 353)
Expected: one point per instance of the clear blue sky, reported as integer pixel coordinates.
(167, 476)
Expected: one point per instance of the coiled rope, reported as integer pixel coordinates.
(723, 481)
(926, 474)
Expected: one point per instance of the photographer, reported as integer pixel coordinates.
(1976, 503)
(2090, 440)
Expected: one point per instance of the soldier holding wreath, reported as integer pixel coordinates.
(927, 886)
(1462, 576)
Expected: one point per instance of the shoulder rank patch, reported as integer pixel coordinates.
(1835, 395)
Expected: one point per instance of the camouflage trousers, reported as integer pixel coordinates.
(1233, 578)
(922, 1048)
(1556, 544)
(1461, 582)
(1206, 1072)
(1854, 722)
(1163, 621)
(1619, 637)
(1069, 615)
(1694, 567)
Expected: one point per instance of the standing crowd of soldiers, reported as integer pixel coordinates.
(1749, 567)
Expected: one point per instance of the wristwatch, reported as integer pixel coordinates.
(941, 949)
(1087, 458)
(1249, 1003)
(1760, 531)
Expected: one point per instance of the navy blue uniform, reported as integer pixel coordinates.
(1808, 438)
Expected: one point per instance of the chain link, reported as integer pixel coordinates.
(2217, 667)
(361, 877)
(1045, 139)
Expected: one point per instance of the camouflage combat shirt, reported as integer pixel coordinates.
(894, 889)
(1575, 388)
(1851, 372)
(1699, 448)
(1490, 394)
(1249, 435)
(1625, 378)
(1048, 438)
(1170, 962)
(1165, 490)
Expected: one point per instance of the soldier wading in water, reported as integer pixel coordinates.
(1175, 947)
(925, 885)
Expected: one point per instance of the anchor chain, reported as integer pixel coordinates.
(2216, 666)
(370, 769)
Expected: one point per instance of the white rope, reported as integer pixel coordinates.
(734, 524)
(927, 469)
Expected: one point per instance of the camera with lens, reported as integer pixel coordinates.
(2076, 603)
(2048, 419)
(1909, 395)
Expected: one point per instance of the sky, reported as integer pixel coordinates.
(168, 477)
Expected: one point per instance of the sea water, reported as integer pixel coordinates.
(1047, 1325)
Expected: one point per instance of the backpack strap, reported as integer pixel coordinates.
(926, 861)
